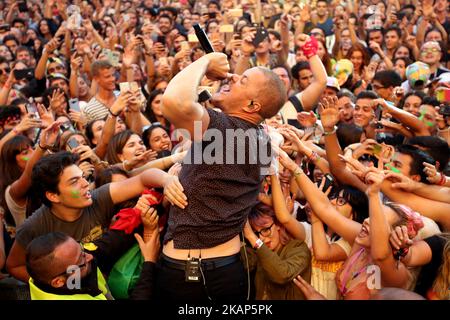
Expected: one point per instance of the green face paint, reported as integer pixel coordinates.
(75, 194)
(427, 123)
(25, 158)
(392, 168)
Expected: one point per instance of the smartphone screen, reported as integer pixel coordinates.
(74, 105)
(72, 143)
(261, 35)
(329, 180)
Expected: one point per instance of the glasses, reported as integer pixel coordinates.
(316, 34)
(430, 50)
(377, 86)
(79, 266)
(265, 232)
(5, 70)
(340, 201)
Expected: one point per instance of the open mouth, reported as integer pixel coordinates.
(87, 195)
(364, 232)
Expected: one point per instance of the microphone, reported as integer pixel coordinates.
(203, 39)
(208, 48)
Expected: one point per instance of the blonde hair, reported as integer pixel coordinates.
(441, 284)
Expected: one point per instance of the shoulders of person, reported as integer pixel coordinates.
(295, 246)
(220, 120)
(344, 245)
(308, 232)
(430, 228)
(102, 196)
(33, 225)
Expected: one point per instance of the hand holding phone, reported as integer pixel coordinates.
(329, 180)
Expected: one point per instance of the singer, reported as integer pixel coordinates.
(201, 253)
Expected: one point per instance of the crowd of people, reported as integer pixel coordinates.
(102, 116)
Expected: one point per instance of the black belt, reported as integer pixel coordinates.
(207, 264)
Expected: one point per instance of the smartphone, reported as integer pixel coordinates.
(72, 143)
(236, 13)
(192, 38)
(378, 116)
(377, 149)
(124, 87)
(74, 105)
(67, 126)
(212, 15)
(226, 28)
(163, 60)
(261, 35)
(185, 46)
(5, 27)
(329, 180)
(133, 86)
(32, 109)
(161, 39)
(24, 74)
(23, 7)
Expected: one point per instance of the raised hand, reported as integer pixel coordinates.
(46, 115)
(49, 135)
(86, 153)
(306, 119)
(28, 122)
(308, 290)
(433, 176)
(401, 181)
(399, 238)
(329, 113)
(374, 180)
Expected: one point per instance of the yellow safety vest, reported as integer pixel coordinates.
(38, 294)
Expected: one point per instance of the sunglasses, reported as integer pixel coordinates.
(5, 70)
(79, 266)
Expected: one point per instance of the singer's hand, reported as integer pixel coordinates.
(218, 66)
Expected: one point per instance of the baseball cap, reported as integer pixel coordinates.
(418, 74)
(342, 70)
(57, 75)
(332, 82)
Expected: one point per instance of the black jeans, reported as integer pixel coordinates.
(221, 284)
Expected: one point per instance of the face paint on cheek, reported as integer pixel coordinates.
(25, 158)
(75, 194)
(392, 168)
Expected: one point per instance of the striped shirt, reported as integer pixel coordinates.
(96, 110)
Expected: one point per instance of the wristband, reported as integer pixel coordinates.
(298, 172)
(43, 148)
(15, 130)
(313, 157)
(329, 133)
(443, 180)
(310, 47)
(114, 115)
(258, 244)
